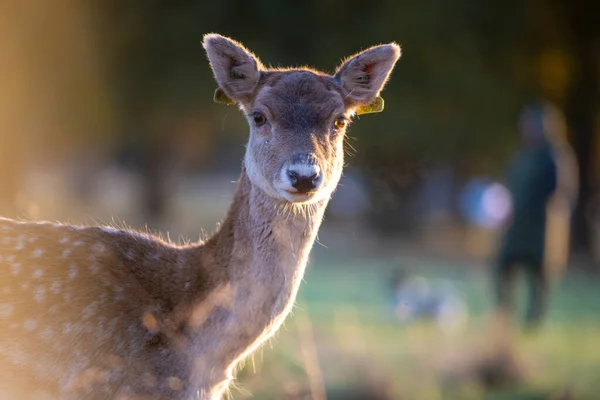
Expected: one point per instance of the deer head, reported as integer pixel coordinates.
(297, 117)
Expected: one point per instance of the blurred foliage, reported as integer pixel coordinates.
(459, 83)
(467, 67)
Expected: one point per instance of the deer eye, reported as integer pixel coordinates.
(339, 123)
(259, 118)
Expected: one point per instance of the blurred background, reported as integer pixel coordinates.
(106, 116)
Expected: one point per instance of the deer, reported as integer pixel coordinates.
(100, 312)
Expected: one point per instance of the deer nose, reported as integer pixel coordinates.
(303, 183)
(304, 173)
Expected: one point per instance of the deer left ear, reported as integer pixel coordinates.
(236, 69)
(363, 76)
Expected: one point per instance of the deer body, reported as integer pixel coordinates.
(100, 313)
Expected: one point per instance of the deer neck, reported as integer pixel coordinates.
(269, 243)
(260, 252)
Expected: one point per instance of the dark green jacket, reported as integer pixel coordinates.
(532, 179)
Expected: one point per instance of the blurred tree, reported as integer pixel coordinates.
(53, 93)
(583, 102)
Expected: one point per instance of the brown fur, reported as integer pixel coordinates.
(99, 313)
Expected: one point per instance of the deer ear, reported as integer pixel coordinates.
(236, 70)
(364, 75)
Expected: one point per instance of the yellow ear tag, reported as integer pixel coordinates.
(374, 107)
(221, 97)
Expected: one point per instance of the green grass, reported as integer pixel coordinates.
(347, 307)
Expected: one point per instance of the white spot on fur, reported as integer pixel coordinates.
(40, 294)
(99, 248)
(10, 258)
(30, 325)
(25, 285)
(20, 243)
(15, 268)
(47, 333)
(37, 253)
(72, 271)
(94, 268)
(55, 287)
(38, 273)
(90, 310)
(78, 243)
(64, 240)
(32, 239)
(130, 254)
(66, 253)
(6, 310)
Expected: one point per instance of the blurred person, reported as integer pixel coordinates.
(542, 180)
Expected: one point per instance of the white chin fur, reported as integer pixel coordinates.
(305, 198)
(298, 197)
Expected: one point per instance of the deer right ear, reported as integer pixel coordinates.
(363, 76)
(236, 70)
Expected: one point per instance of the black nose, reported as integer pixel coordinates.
(302, 183)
